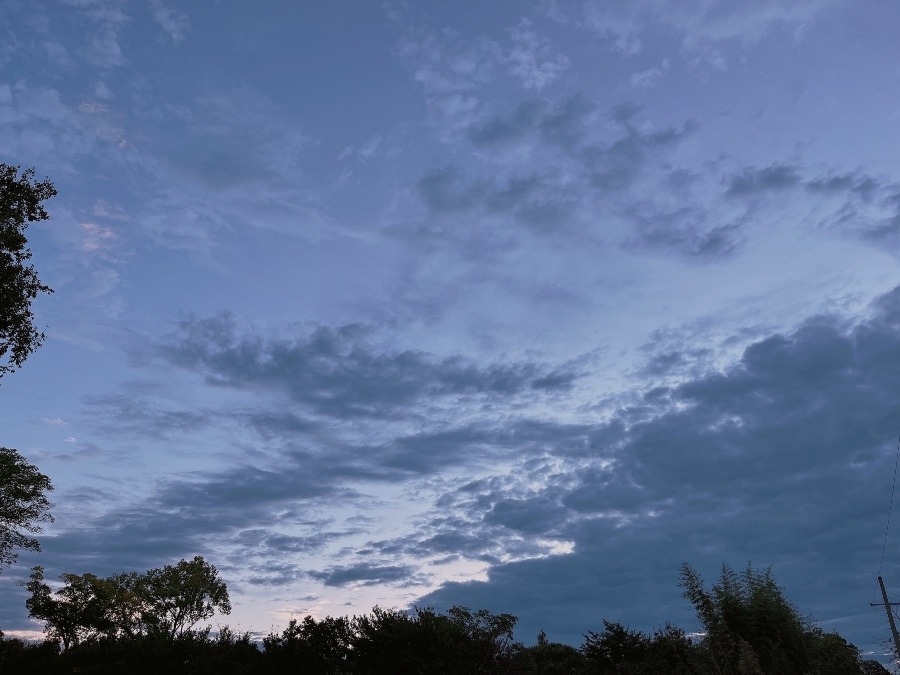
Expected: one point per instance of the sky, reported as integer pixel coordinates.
(510, 305)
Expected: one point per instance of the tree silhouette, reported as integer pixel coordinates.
(750, 627)
(20, 205)
(23, 505)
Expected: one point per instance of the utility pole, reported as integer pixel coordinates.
(890, 615)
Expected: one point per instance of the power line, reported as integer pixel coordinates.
(890, 509)
(887, 527)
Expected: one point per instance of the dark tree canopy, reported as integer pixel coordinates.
(23, 505)
(178, 596)
(750, 627)
(167, 602)
(20, 204)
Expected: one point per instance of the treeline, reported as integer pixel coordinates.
(144, 623)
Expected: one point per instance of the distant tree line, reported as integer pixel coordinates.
(145, 623)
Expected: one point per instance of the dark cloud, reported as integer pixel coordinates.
(562, 125)
(446, 191)
(887, 229)
(677, 362)
(685, 231)
(539, 201)
(338, 371)
(547, 201)
(538, 515)
(141, 416)
(854, 183)
(615, 166)
(246, 506)
(780, 459)
(367, 574)
(274, 574)
(752, 181)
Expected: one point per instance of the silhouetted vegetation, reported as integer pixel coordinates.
(23, 502)
(164, 602)
(134, 623)
(20, 205)
(23, 505)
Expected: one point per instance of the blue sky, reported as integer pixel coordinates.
(509, 305)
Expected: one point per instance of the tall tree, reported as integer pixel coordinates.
(750, 627)
(64, 620)
(20, 205)
(164, 602)
(23, 505)
(178, 596)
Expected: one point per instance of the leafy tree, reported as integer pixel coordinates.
(487, 636)
(311, 646)
(178, 596)
(549, 658)
(616, 650)
(461, 641)
(20, 204)
(67, 620)
(621, 650)
(23, 505)
(752, 628)
(164, 602)
(86, 607)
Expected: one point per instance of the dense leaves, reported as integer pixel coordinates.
(20, 204)
(163, 602)
(23, 505)
(750, 627)
(177, 597)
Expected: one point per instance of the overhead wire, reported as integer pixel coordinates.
(887, 527)
(890, 510)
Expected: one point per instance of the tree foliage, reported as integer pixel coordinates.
(393, 641)
(20, 205)
(23, 505)
(167, 601)
(750, 627)
(178, 596)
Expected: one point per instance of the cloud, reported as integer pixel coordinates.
(37, 123)
(685, 230)
(97, 240)
(583, 170)
(751, 181)
(366, 574)
(561, 125)
(55, 421)
(855, 182)
(103, 48)
(141, 416)
(538, 201)
(702, 28)
(756, 461)
(449, 68)
(532, 59)
(615, 166)
(342, 373)
(260, 513)
(647, 79)
(174, 24)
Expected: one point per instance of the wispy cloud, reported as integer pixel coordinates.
(175, 25)
(532, 58)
